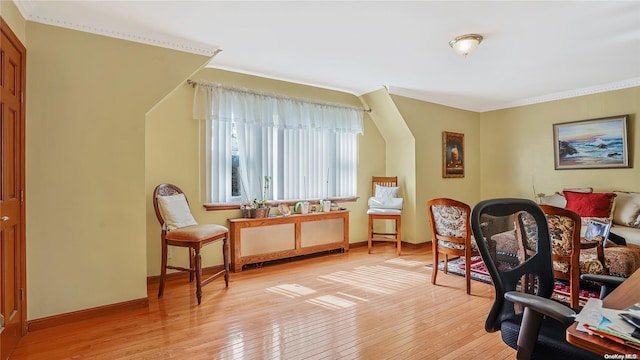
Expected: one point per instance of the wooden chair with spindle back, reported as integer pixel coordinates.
(395, 215)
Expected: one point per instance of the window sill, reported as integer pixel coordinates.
(214, 207)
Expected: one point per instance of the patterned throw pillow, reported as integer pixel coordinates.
(386, 191)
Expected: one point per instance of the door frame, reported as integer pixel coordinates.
(4, 27)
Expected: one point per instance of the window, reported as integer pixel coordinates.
(308, 149)
(235, 165)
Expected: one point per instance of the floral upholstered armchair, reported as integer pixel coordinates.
(568, 259)
(451, 234)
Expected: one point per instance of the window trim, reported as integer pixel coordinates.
(233, 206)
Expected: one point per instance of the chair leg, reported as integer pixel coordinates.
(574, 289)
(370, 233)
(198, 271)
(524, 283)
(467, 270)
(191, 264)
(225, 256)
(163, 269)
(574, 297)
(399, 235)
(434, 274)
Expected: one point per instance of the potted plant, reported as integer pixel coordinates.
(258, 208)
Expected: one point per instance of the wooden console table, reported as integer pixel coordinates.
(272, 238)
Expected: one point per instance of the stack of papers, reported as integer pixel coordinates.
(607, 323)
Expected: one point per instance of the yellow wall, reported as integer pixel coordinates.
(400, 158)
(173, 153)
(87, 97)
(427, 121)
(517, 146)
(14, 19)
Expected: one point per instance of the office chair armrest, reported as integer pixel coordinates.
(547, 307)
(607, 282)
(603, 279)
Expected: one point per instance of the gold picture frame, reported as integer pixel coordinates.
(592, 144)
(452, 155)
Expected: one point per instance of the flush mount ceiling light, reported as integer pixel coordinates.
(465, 44)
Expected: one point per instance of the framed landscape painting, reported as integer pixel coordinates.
(592, 144)
(452, 155)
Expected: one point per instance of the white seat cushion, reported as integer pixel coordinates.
(385, 203)
(380, 211)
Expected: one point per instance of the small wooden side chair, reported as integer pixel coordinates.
(385, 214)
(451, 234)
(180, 229)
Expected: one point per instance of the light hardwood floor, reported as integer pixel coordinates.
(339, 306)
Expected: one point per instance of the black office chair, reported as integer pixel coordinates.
(539, 330)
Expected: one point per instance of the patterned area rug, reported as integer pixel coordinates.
(479, 273)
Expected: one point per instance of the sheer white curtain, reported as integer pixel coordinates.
(309, 149)
(218, 144)
(252, 117)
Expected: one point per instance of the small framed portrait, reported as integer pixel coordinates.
(284, 209)
(597, 230)
(452, 155)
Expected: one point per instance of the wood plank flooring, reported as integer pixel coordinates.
(339, 306)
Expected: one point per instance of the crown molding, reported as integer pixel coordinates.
(448, 101)
(618, 85)
(27, 9)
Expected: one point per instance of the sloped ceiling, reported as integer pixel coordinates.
(532, 51)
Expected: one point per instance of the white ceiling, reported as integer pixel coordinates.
(532, 51)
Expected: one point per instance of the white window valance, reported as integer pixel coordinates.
(250, 107)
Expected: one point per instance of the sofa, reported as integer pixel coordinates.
(620, 208)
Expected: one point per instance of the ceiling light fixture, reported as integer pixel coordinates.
(465, 44)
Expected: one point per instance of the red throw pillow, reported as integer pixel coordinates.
(589, 204)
